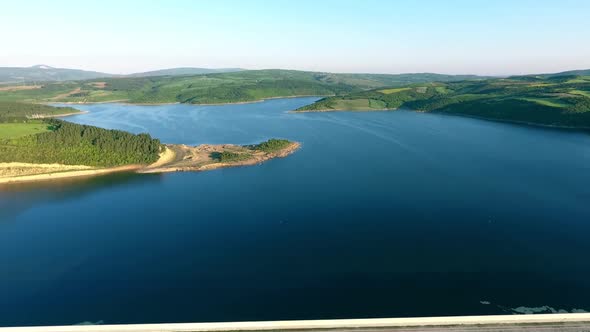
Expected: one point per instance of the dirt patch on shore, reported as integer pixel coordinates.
(201, 158)
(166, 157)
(24, 169)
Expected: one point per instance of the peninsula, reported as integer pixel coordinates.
(559, 100)
(35, 147)
(173, 158)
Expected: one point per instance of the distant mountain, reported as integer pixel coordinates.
(46, 73)
(40, 73)
(579, 72)
(185, 71)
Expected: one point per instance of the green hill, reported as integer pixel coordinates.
(42, 73)
(580, 72)
(242, 86)
(14, 111)
(184, 71)
(556, 101)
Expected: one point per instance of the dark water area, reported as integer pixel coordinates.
(383, 214)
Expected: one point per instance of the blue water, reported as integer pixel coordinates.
(379, 214)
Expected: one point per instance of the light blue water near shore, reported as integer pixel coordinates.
(380, 214)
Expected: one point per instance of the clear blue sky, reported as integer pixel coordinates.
(461, 36)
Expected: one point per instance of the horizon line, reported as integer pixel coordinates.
(301, 70)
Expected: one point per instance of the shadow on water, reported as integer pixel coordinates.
(16, 198)
(515, 123)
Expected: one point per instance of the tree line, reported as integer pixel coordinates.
(75, 144)
(21, 112)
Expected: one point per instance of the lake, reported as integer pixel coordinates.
(382, 214)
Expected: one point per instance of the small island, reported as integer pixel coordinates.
(36, 147)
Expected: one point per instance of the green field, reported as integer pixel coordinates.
(552, 102)
(359, 104)
(581, 93)
(14, 130)
(393, 90)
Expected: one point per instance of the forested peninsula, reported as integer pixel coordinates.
(35, 146)
(560, 100)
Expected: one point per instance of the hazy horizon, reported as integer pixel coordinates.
(242, 68)
(459, 37)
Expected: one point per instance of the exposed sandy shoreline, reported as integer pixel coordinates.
(182, 158)
(58, 115)
(176, 158)
(62, 171)
(82, 102)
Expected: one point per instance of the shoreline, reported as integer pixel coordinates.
(169, 161)
(532, 124)
(49, 116)
(66, 174)
(125, 101)
(258, 100)
(527, 123)
(175, 164)
(325, 110)
(80, 102)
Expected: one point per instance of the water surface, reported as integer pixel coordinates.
(382, 214)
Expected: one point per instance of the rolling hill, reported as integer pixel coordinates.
(42, 73)
(185, 71)
(562, 101)
(580, 72)
(241, 86)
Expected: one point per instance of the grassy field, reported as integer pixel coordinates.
(394, 90)
(359, 104)
(581, 93)
(551, 102)
(442, 90)
(13, 130)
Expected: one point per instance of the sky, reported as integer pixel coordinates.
(489, 37)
